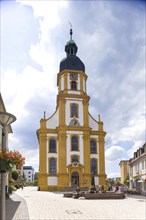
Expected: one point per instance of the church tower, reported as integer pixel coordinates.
(71, 141)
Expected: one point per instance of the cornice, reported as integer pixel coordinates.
(66, 95)
(137, 158)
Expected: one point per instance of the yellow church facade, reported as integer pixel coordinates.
(71, 141)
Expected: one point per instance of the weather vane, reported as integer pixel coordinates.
(71, 32)
(70, 24)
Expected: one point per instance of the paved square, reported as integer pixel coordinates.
(52, 205)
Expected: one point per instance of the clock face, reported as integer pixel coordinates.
(73, 76)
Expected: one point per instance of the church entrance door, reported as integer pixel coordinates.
(75, 179)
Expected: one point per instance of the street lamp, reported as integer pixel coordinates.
(5, 120)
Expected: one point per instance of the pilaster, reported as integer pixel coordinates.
(43, 162)
(86, 144)
(85, 112)
(81, 83)
(65, 83)
(63, 180)
(62, 102)
(101, 135)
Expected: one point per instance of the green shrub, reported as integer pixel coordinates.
(14, 188)
(10, 189)
(17, 186)
(35, 183)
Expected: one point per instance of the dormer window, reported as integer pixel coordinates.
(73, 85)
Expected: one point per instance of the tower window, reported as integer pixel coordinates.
(74, 159)
(74, 143)
(72, 51)
(52, 146)
(73, 85)
(93, 166)
(52, 166)
(74, 110)
(93, 148)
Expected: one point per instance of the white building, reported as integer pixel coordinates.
(137, 169)
(29, 173)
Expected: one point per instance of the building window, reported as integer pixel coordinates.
(74, 143)
(52, 146)
(93, 148)
(93, 166)
(142, 164)
(72, 51)
(52, 166)
(74, 110)
(74, 159)
(73, 85)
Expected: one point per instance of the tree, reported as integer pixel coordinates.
(35, 183)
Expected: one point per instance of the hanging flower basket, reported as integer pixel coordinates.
(5, 166)
(10, 158)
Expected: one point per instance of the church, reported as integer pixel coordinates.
(71, 141)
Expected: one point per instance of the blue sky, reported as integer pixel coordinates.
(110, 36)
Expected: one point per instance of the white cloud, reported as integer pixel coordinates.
(115, 153)
(113, 175)
(111, 44)
(30, 83)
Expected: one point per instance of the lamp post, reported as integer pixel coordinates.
(5, 120)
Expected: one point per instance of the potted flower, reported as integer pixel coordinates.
(10, 158)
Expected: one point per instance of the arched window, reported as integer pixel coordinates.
(74, 159)
(72, 51)
(74, 110)
(52, 146)
(73, 85)
(93, 148)
(74, 143)
(52, 166)
(93, 166)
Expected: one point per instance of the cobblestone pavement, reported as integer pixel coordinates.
(52, 205)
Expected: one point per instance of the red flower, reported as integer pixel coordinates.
(13, 157)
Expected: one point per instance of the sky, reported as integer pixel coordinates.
(110, 36)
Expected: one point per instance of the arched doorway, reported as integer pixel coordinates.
(75, 179)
